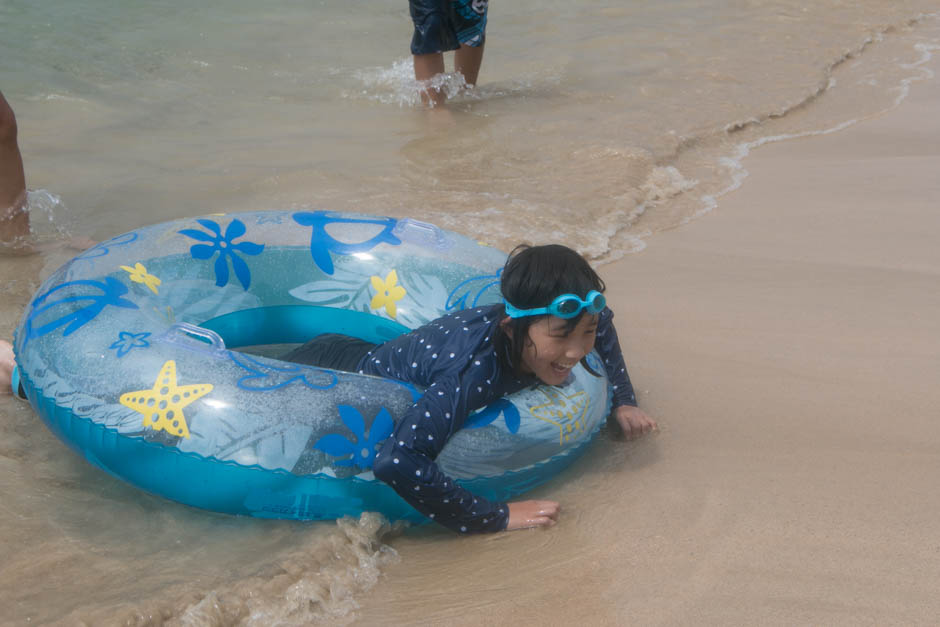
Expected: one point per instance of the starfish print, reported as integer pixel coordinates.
(162, 405)
(564, 411)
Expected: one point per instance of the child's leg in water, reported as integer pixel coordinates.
(467, 61)
(14, 220)
(427, 66)
(14, 212)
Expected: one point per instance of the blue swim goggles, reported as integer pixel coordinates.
(565, 306)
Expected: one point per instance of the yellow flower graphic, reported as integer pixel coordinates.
(139, 274)
(387, 293)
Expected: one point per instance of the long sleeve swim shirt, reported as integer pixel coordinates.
(456, 360)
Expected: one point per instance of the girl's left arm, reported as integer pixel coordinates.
(608, 347)
(632, 420)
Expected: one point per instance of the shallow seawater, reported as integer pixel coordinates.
(593, 125)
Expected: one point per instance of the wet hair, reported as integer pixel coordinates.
(533, 277)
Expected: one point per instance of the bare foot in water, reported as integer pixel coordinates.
(14, 226)
(7, 364)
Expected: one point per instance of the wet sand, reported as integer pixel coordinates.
(789, 345)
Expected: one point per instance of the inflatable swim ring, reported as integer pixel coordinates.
(126, 353)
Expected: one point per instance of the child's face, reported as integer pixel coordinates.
(551, 351)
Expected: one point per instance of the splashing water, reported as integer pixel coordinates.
(396, 85)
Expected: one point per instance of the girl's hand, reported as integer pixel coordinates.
(634, 422)
(523, 514)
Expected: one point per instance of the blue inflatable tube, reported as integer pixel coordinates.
(128, 354)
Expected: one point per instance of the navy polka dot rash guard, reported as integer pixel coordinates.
(455, 359)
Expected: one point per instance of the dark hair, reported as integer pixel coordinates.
(533, 277)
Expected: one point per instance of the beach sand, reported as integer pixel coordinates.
(789, 345)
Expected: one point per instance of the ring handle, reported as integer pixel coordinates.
(179, 332)
(422, 233)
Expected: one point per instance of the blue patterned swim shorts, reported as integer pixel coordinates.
(442, 25)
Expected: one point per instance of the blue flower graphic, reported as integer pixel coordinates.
(226, 247)
(127, 341)
(491, 412)
(363, 448)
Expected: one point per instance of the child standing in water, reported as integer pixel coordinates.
(15, 235)
(14, 220)
(442, 25)
(553, 315)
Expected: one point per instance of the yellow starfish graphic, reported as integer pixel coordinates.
(562, 410)
(162, 405)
